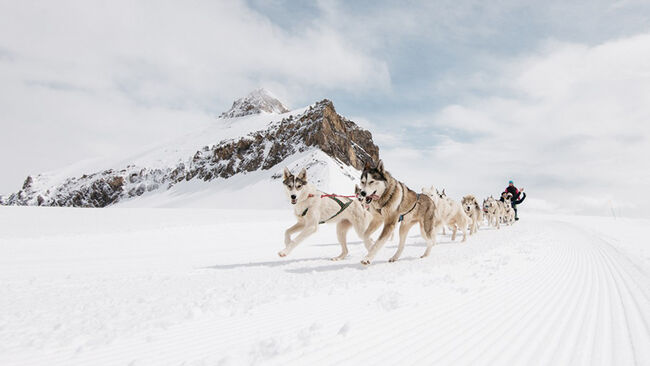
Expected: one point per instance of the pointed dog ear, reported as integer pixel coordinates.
(286, 173)
(368, 166)
(380, 166)
(303, 175)
(443, 191)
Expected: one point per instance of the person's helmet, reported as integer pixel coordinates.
(510, 182)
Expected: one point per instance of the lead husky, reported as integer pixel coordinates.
(391, 201)
(313, 207)
(448, 213)
(473, 210)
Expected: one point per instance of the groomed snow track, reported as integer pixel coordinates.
(547, 291)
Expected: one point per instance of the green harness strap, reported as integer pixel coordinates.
(343, 207)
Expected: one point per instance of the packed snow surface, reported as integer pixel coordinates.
(128, 286)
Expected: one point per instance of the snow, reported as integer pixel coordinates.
(257, 101)
(251, 190)
(130, 286)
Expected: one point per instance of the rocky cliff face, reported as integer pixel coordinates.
(319, 127)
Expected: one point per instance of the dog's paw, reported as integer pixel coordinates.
(393, 259)
(365, 261)
(424, 255)
(282, 253)
(340, 257)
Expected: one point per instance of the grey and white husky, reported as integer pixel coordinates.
(391, 202)
(313, 207)
(473, 210)
(493, 211)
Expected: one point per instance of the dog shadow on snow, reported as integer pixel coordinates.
(353, 263)
(278, 263)
(348, 263)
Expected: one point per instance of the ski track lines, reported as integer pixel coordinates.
(577, 306)
(541, 292)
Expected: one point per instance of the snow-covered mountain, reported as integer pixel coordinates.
(259, 100)
(235, 163)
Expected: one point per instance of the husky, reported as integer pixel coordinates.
(493, 211)
(508, 211)
(448, 212)
(313, 207)
(391, 201)
(376, 216)
(440, 195)
(473, 210)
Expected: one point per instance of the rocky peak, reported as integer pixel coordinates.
(318, 127)
(258, 101)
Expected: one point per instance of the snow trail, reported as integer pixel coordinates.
(167, 287)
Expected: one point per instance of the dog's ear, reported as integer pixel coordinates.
(380, 166)
(286, 173)
(303, 175)
(368, 166)
(443, 192)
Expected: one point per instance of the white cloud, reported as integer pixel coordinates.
(570, 123)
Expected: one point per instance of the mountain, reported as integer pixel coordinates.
(232, 163)
(257, 101)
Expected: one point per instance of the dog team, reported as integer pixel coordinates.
(380, 200)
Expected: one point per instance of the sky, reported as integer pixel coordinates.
(459, 94)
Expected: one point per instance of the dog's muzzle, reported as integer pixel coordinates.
(294, 199)
(371, 197)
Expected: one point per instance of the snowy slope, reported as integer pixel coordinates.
(261, 189)
(205, 287)
(241, 153)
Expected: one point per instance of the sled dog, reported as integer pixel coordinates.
(377, 216)
(390, 202)
(473, 210)
(312, 207)
(448, 212)
(508, 211)
(492, 211)
(441, 195)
